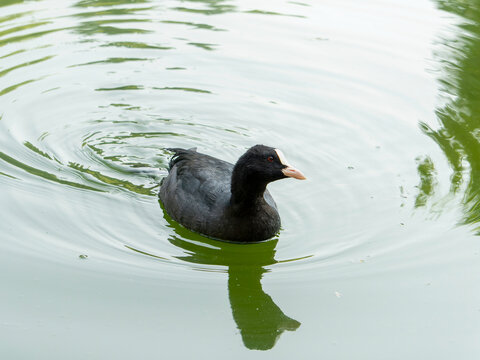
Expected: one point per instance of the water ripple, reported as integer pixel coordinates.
(94, 103)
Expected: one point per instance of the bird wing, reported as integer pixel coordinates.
(197, 184)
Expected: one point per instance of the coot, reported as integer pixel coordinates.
(222, 200)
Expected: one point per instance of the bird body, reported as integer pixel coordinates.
(221, 200)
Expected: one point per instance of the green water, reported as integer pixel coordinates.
(377, 102)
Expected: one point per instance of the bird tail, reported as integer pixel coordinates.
(180, 154)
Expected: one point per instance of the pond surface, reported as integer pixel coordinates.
(377, 102)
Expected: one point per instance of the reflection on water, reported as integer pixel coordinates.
(10, 2)
(88, 3)
(459, 115)
(211, 7)
(426, 171)
(259, 319)
(108, 26)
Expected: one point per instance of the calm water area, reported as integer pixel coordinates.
(376, 101)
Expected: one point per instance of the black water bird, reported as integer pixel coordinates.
(225, 201)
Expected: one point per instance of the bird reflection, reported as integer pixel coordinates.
(259, 319)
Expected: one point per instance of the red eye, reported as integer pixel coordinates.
(270, 158)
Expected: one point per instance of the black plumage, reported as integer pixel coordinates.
(222, 200)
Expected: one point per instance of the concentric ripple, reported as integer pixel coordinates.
(377, 103)
(94, 91)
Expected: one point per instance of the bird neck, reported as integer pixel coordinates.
(247, 191)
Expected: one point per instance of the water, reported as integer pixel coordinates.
(377, 103)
